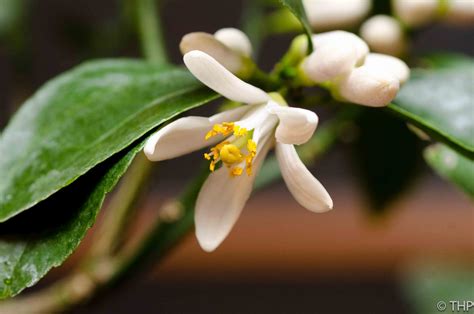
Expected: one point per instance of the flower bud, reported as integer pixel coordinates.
(368, 86)
(384, 34)
(395, 66)
(343, 38)
(330, 61)
(460, 12)
(230, 57)
(416, 12)
(235, 39)
(333, 14)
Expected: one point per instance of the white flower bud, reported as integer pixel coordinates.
(384, 34)
(416, 12)
(331, 14)
(330, 61)
(368, 86)
(395, 66)
(343, 38)
(460, 12)
(235, 39)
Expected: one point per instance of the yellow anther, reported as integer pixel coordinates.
(237, 171)
(231, 154)
(207, 156)
(212, 166)
(238, 131)
(225, 129)
(252, 147)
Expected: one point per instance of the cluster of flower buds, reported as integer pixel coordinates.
(335, 14)
(384, 34)
(230, 46)
(342, 62)
(421, 12)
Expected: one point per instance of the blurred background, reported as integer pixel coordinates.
(279, 257)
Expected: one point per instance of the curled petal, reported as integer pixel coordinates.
(221, 201)
(391, 64)
(296, 125)
(187, 134)
(235, 39)
(207, 43)
(384, 34)
(369, 86)
(304, 187)
(329, 61)
(343, 38)
(215, 76)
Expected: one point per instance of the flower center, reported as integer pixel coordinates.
(241, 148)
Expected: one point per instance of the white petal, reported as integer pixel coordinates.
(296, 125)
(343, 38)
(391, 64)
(221, 201)
(235, 39)
(415, 13)
(369, 86)
(187, 134)
(304, 187)
(214, 75)
(333, 14)
(207, 43)
(384, 34)
(178, 138)
(329, 61)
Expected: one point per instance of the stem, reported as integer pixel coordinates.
(151, 35)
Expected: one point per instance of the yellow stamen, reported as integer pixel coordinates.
(237, 171)
(224, 129)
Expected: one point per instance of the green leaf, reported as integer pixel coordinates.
(387, 157)
(452, 166)
(441, 102)
(296, 7)
(11, 12)
(43, 237)
(82, 118)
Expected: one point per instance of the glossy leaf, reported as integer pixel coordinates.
(441, 102)
(452, 166)
(296, 7)
(82, 118)
(43, 237)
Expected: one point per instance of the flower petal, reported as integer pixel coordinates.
(391, 64)
(343, 38)
(187, 134)
(235, 39)
(304, 187)
(296, 125)
(207, 43)
(221, 201)
(214, 75)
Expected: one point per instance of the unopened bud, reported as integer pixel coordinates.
(384, 34)
(416, 12)
(393, 65)
(333, 14)
(460, 12)
(235, 39)
(232, 60)
(343, 38)
(368, 86)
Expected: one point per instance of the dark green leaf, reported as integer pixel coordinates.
(452, 165)
(297, 8)
(82, 118)
(387, 156)
(37, 240)
(441, 102)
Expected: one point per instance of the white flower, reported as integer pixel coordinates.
(229, 46)
(333, 14)
(384, 34)
(416, 13)
(460, 12)
(242, 138)
(342, 62)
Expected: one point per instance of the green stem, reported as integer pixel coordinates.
(151, 34)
